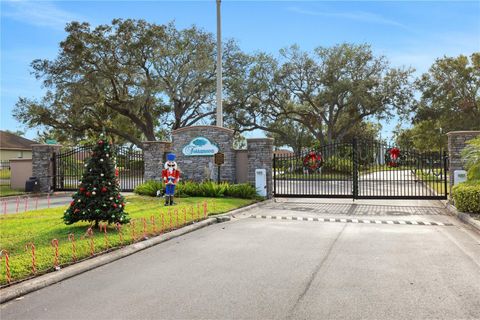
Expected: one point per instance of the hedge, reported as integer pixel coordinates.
(466, 196)
(202, 189)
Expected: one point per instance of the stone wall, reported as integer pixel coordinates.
(456, 143)
(199, 168)
(154, 157)
(260, 156)
(42, 166)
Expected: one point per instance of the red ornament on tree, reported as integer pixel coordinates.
(104, 189)
(82, 189)
(76, 211)
(114, 205)
(100, 142)
(88, 194)
(72, 203)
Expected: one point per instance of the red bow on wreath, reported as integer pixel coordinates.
(394, 153)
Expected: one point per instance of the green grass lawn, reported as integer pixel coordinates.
(40, 227)
(5, 190)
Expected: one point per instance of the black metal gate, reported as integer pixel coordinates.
(69, 165)
(361, 170)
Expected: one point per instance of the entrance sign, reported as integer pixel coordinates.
(200, 146)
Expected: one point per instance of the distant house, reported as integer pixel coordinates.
(283, 152)
(14, 147)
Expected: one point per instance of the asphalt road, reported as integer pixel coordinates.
(264, 268)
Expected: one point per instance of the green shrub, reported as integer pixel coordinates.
(466, 196)
(243, 191)
(203, 189)
(149, 188)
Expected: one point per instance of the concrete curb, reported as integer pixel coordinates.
(464, 217)
(27, 286)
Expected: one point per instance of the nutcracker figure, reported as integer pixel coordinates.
(170, 176)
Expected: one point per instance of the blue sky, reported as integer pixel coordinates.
(408, 33)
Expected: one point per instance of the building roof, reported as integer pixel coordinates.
(12, 141)
(283, 152)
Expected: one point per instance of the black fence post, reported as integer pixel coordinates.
(445, 172)
(355, 168)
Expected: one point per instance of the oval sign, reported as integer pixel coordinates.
(200, 146)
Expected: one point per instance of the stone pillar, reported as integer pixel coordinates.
(42, 165)
(201, 167)
(154, 157)
(456, 143)
(260, 156)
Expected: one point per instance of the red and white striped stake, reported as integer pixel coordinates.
(55, 260)
(92, 245)
(7, 265)
(48, 200)
(171, 219)
(25, 206)
(119, 229)
(32, 246)
(144, 221)
(18, 203)
(132, 226)
(192, 211)
(107, 244)
(36, 203)
(163, 223)
(176, 214)
(5, 207)
(205, 209)
(184, 216)
(154, 227)
(71, 238)
(198, 211)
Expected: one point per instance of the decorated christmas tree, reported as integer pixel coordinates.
(98, 197)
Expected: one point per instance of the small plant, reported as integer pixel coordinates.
(466, 196)
(149, 188)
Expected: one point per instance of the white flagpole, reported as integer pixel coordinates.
(219, 68)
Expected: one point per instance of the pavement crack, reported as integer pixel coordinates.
(314, 274)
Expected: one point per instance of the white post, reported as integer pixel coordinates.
(219, 68)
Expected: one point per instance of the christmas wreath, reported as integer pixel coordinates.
(313, 161)
(392, 157)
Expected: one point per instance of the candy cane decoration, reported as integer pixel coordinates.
(176, 213)
(32, 246)
(25, 206)
(71, 238)
(18, 203)
(7, 265)
(107, 244)
(184, 216)
(171, 219)
(55, 261)
(144, 228)
(92, 245)
(36, 203)
(119, 229)
(205, 208)
(132, 225)
(163, 223)
(192, 211)
(198, 211)
(154, 227)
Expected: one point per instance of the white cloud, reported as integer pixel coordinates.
(362, 16)
(40, 13)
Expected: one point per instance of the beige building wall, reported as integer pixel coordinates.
(21, 171)
(7, 154)
(242, 166)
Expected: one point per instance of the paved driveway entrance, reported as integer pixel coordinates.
(325, 264)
